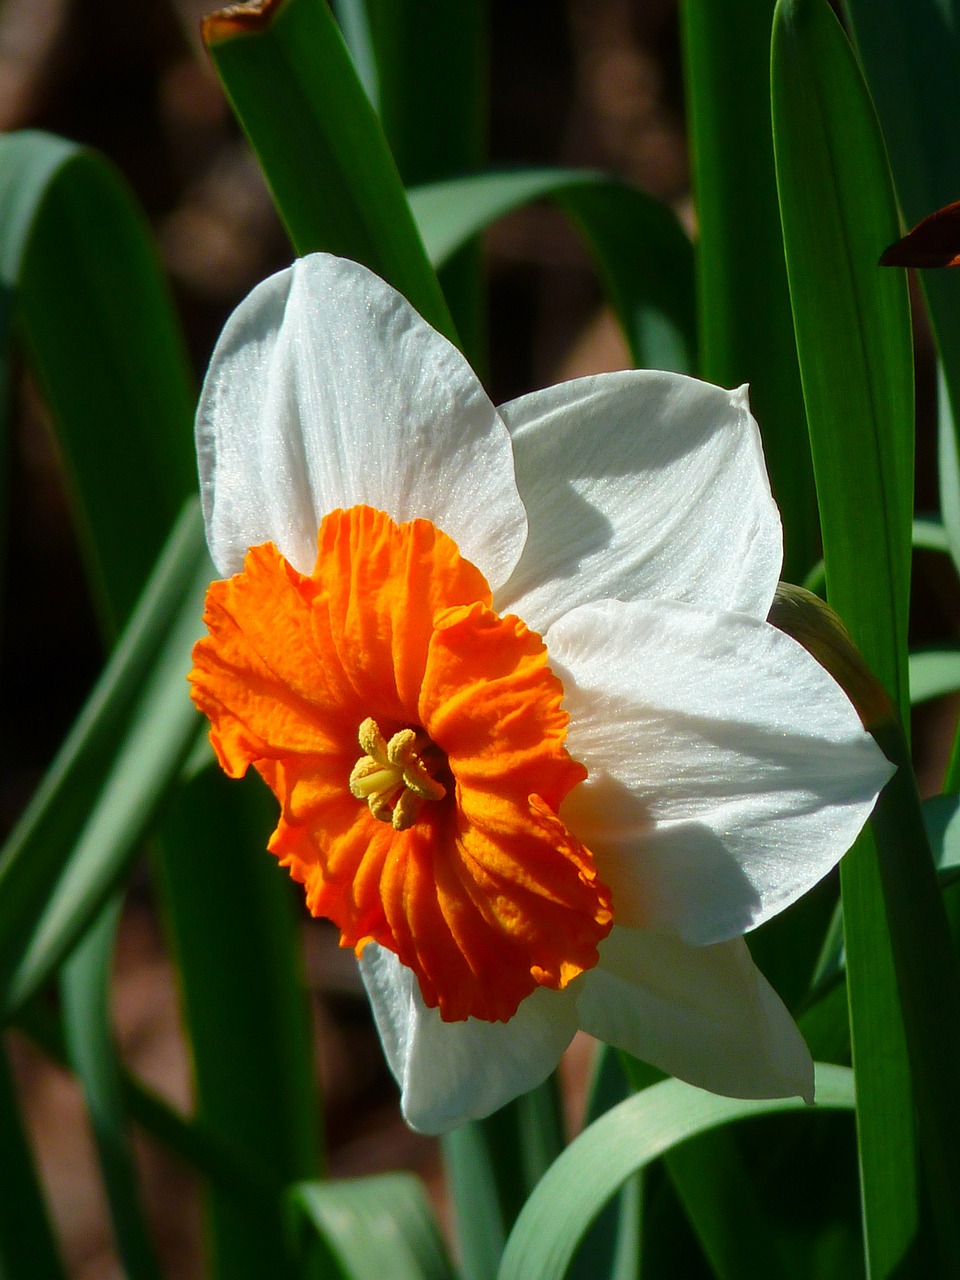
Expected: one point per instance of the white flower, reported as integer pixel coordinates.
(625, 518)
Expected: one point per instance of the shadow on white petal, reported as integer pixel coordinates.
(727, 771)
(703, 1014)
(641, 484)
(660, 871)
(451, 1072)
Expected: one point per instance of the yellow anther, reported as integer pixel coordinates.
(381, 807)
(406, 810)
(421, 783)
(401, 746)
(392, 776)
(373, 741)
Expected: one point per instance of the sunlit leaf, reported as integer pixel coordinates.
(746, 330)
(854, 340)
(79, 270)
(295, 91)
(626, 1139)
(370, 1227)
(643, 257)
(87, 818)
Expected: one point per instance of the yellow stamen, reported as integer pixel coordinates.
(392, 776)
(406, 810)
(372, 740)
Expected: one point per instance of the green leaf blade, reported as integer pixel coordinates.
(628, 1138)
(431, 96)
(374, 1226)
(643, 256)
(102, 785)
(229, 912)
(290, 80)
(853, 330)
(855, 344)
(746, 330)
(86, 1002)
(933, 673)
(911, 55)
(98, 324)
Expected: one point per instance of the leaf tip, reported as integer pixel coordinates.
(239, 19)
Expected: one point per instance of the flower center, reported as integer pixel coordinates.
(393, 776)
(443, 842)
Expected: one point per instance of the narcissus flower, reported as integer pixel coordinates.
(537, 751)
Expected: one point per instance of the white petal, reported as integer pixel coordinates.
(326, 389)
(727, 771)
(450, 1072)
(704, 1014)
(641, 485)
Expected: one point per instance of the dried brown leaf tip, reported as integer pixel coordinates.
(934, 242)
(239, 19)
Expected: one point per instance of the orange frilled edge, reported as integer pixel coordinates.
(487, 895)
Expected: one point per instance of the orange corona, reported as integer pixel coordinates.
(415, 741)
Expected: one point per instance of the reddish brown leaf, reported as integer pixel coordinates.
(934, 242)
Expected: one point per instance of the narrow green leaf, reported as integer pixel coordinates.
(745, 323)
(290, 80)
(432, 84)
(948, 466)
(77, 261)
(930, 535)
(612, 1245)
(853, 329)
(492, 1166)
(354, 23)
(941, 817)
(933, 673)
(28, 1250)
(24, 176)
(432, 100)
(266, 1101)
(712, 1183)
(195, 1143)
(373, 1227)
(816, 580)
(480, 1188)
(825, 1023)
(746, 331)
(941, 820)
(86, 1003)
(624, 1140)
(854, 342)
(643, 256)
(229, 909)
(928, 977)
(719, 1196)
(91, 810)
(911, 56)
(162, 728)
